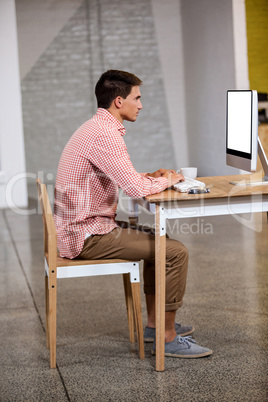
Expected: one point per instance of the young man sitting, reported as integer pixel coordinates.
(93, 165)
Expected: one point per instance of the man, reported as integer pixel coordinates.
(94, 163)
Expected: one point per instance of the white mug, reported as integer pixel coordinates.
(190, 172)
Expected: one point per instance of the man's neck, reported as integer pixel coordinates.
(115, 112)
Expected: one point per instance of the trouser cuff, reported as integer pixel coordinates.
(173, 306)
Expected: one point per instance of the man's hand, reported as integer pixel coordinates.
(160, 172)
(173, 178)
(169, 174)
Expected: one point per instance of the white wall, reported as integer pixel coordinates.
(168, 26)
(209, 72)
(240, 44)
(39, 22)
(203, 52)
(13, 190)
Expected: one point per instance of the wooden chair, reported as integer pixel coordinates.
(57, 267)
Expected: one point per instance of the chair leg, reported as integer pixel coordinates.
(129, 306)
(52, 325)
(47, 309)
(136, 296)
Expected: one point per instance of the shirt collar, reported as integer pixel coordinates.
(104, 114)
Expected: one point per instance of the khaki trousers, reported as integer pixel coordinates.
(134, 243)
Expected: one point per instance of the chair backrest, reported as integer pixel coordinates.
(50, 234)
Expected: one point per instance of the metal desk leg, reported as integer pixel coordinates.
(160, 286)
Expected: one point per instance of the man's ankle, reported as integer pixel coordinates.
(170, 336)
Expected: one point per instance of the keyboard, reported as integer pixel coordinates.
(184, 186)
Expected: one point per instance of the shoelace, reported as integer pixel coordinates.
(185, 340)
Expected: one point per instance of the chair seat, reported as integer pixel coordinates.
(75, 268)
(64, 262)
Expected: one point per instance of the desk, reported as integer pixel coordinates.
(223, 199)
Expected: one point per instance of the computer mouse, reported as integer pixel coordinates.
(198, 190)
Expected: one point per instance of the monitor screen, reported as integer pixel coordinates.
(239, 123)
(242, 129)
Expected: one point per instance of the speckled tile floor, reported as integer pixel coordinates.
(226, 301)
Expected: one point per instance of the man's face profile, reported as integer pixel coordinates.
(131, 105)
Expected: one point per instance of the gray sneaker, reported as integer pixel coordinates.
(182, 330)
(185, 348)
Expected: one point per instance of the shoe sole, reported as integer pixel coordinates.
(149, 340)
(187, 356)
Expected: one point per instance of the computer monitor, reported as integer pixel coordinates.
(242, 130)
(242, 143)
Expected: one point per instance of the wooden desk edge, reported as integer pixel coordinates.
(220, 187)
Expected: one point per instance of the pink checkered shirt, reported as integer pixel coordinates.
(94, 163)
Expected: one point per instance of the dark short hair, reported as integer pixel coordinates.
(114, 83)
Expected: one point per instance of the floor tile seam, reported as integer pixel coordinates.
(22, 308)
(25, 239)
(240, 311)
(5, 241)
(22, 269)
(230, 310)
(219, 290)
(32, 295)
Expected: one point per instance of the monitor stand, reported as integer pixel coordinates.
(252, 180)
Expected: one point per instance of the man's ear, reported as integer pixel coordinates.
(118, 102)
